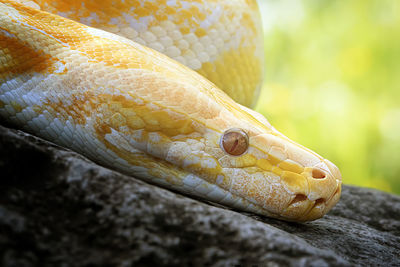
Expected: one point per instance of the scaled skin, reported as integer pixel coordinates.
(135, 110)
(210, 37)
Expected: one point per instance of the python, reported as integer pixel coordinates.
(121, 103)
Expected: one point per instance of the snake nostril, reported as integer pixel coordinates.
(318, 174)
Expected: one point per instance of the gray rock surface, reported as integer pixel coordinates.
(59, 209)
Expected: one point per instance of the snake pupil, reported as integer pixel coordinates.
(234, 146)
(235, 142)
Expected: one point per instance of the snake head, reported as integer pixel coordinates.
(233, 156)
(310, 184)
(253, 167)
(285, 179)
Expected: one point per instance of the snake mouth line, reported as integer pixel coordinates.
(305, 209)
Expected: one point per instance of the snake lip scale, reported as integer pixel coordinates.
(160, 90)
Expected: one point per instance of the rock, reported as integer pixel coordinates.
(59, 209)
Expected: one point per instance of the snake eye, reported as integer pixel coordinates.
(234, 142)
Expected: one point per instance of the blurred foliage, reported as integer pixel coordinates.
(333, 83)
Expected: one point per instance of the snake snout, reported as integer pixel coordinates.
(324, 188)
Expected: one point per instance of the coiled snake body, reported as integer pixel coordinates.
(138, 111)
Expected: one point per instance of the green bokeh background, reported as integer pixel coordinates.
(333, 83)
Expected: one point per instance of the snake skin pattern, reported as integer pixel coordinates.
(104, 91)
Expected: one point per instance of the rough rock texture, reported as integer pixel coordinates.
(59, 209)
